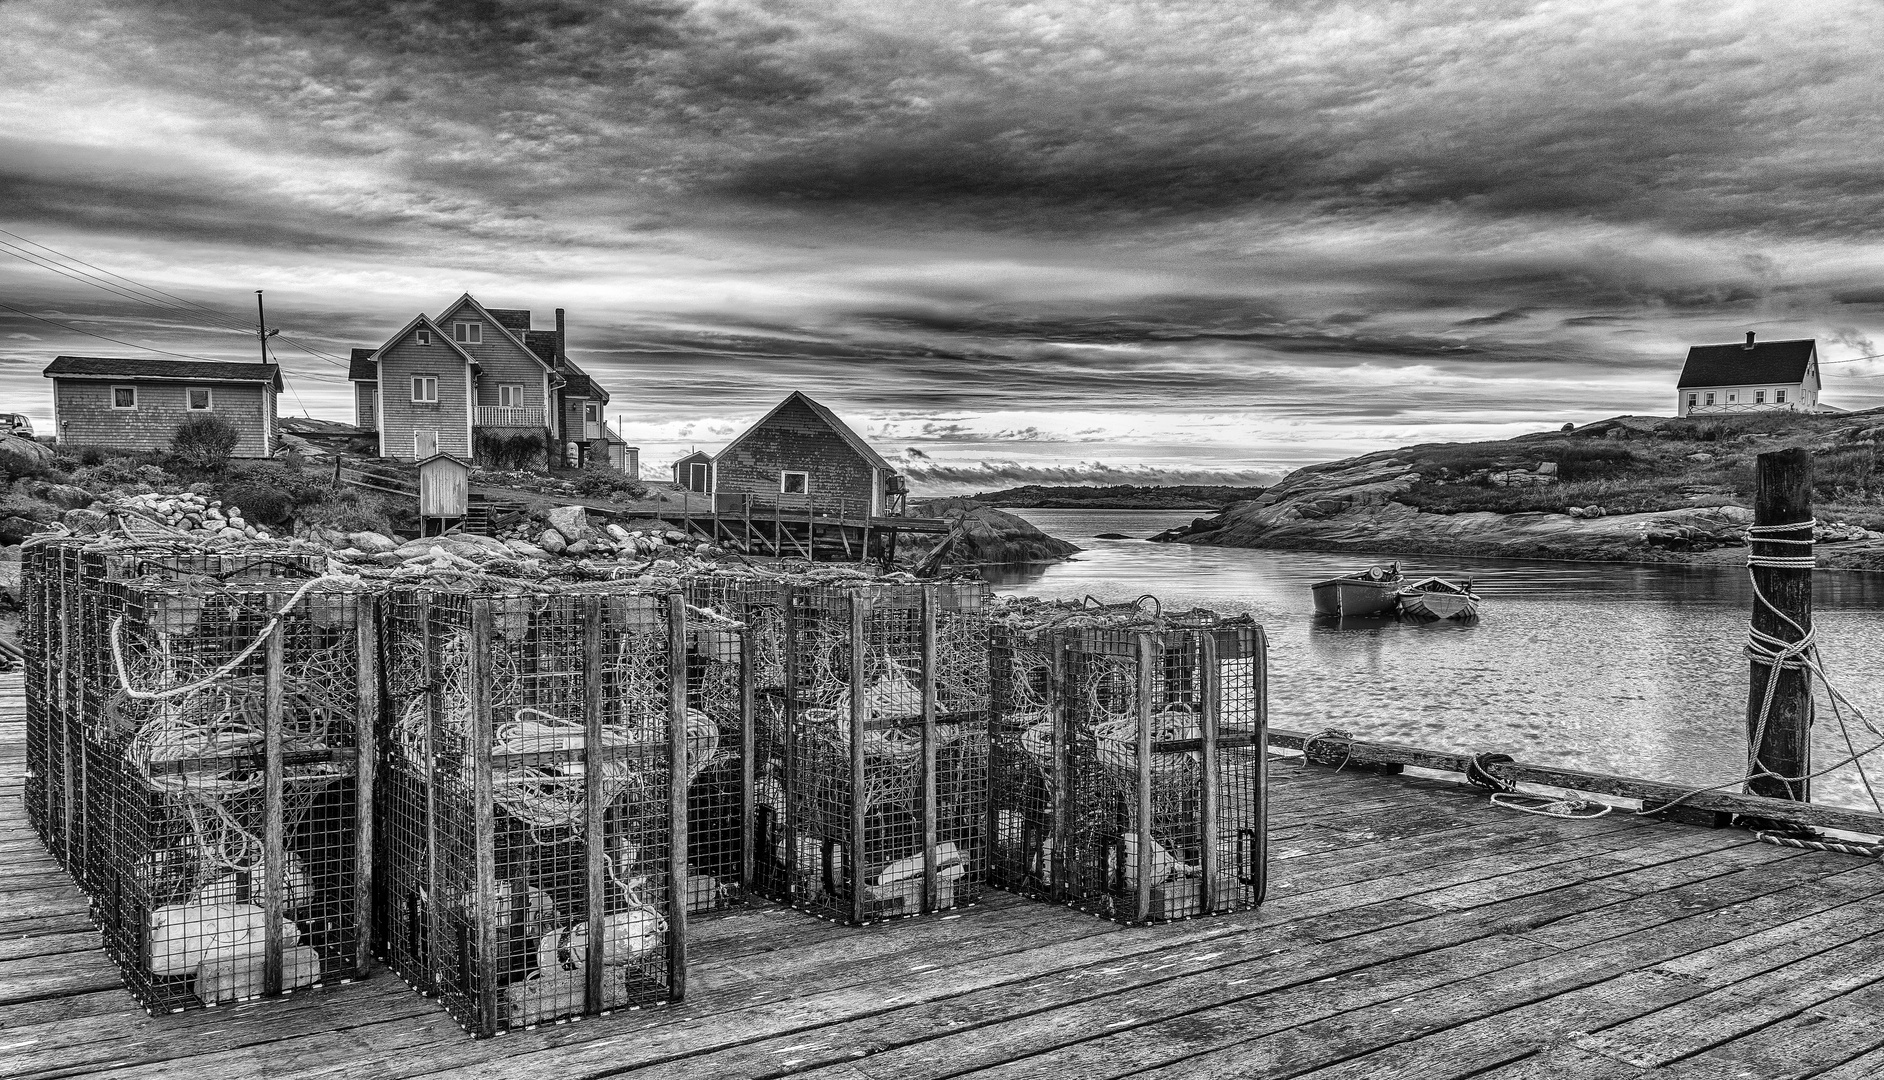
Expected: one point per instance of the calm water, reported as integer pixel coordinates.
(1628, 669)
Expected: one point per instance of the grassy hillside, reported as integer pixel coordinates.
(1650, 464)
(1117, 497)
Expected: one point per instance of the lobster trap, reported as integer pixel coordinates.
(533, 802)
(878, 806)
(50, 791)
(1129, 767)
(227, 775)
(71, 587)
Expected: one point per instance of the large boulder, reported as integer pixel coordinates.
(551, 540)
(21, 456)
(372, 541)
(67, 496)
(571, 521)
(15, 529)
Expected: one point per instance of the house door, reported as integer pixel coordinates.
(592, 420)
(424, 444)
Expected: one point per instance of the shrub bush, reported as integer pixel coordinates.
(206, 441)
(599, 481)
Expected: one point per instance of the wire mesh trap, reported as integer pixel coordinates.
(223, 766)
(69, 605)
(1128, 772)
(533, 810)
(875, 804)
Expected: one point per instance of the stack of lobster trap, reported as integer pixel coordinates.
(198, 760)
(1127, 773)
(265, 770)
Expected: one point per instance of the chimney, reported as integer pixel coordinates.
(559, 327)
(560, 339)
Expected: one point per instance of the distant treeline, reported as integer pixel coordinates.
(1118, 497)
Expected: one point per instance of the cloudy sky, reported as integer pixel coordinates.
(1052, 241)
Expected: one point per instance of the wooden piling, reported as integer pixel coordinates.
(677, 793)
(595, 805)
(484, 818)
(274, 836)
(1783, 741)
(366, 764)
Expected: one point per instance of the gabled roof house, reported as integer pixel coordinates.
(1749, 376)
(801, 454)
(475, 375)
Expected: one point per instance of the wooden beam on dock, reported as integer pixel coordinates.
(1363, 753)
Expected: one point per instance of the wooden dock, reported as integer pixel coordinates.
(1412, 930)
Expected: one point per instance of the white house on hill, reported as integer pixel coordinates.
(1767, 376)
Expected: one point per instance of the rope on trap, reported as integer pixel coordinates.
(174, 749)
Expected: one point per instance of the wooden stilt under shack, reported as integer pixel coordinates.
(1412, 929)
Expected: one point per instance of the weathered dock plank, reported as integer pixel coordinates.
(1413, 929)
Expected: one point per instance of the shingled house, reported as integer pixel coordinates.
(1750, 376)
(801, 454)
(136, 404)
(476, 378)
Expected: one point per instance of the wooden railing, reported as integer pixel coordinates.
(511, 416)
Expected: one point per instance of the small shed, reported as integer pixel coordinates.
(130, 403)
(444, 492)
(694, 472)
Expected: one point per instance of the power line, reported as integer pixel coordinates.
(225, 318)
(43, 263)
(102, 337)
(194, 311)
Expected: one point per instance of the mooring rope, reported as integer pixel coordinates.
(1548, 805)
(1778, 654)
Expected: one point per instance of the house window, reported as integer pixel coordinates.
(794, 483)
(1731, 398)
(1759, 397)
(425, 389)
(196, 399)
(697, 476)
(468, 333)
(510, 395)
(592, 412)
(425, 337)
(124, 397)
(1710, 398)
(1691, 400)
(1779, 397)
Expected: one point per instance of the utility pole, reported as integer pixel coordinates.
(262, 332)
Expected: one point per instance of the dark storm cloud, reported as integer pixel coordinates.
(1303, 214)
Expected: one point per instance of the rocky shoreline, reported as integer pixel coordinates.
(1353, 506)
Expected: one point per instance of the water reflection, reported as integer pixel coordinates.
(1630, 669)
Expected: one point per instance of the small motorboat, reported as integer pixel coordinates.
(1437, 598)
(1376, 591)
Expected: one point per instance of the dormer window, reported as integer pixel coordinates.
(425, 337)
(467, 333)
